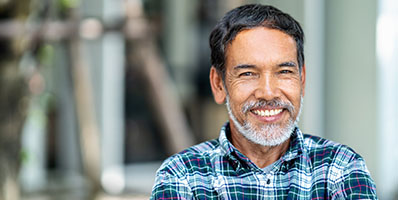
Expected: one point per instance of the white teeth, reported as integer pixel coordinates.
(267, 113)
(272, 112)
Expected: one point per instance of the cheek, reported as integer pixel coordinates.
(240, 91)
(292, 90)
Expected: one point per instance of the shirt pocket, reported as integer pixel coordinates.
(234, 187)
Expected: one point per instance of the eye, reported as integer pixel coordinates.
(246, 74)
(285, 71)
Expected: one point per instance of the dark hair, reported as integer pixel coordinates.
(248, 17)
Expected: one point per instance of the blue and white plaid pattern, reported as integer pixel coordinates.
(312, 168)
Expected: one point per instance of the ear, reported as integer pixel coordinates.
(217, 86)
(303, 75)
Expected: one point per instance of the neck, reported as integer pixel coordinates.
(260, 155)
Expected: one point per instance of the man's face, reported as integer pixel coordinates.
(264, 86)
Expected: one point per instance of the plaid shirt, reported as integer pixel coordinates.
(312, 168)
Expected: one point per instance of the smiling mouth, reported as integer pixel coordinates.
(267, 112)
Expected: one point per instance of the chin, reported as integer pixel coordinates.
(268, 135)
(265, 135)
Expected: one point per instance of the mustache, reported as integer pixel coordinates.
(270, 103)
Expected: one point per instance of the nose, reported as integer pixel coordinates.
(267, 88)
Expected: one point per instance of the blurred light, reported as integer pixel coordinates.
(386, 33)
(90, 28)
(112, 180)
(3, 2)
(387, 49)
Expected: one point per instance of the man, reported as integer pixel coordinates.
(258, 71)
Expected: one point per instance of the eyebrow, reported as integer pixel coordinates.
(244, 66)
(287, 64)
(248, 66)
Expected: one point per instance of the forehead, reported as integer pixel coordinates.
(261, 44)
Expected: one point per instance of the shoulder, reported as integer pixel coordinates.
(194, 158)
(346, 171)
(321, 150)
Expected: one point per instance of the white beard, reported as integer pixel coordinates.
(266, 135)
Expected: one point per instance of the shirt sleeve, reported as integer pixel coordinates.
(168, 186)
(354, 182)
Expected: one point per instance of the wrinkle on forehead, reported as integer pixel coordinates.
(262, 43)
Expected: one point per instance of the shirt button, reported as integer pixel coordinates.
(268, 179)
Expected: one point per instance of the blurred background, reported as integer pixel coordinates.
(94, 94)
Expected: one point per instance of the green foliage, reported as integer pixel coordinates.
(46, 54)
(24, 156)
(68, 4)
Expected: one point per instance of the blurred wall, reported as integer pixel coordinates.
(351, 73)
